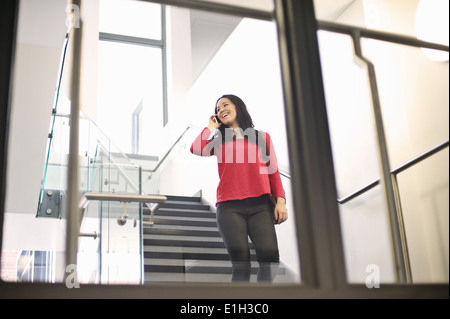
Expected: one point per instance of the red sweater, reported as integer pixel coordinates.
(243, 171)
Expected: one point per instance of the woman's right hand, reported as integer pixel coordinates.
(213, 123)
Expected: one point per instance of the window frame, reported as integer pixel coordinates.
(317, 221)
(148, 42)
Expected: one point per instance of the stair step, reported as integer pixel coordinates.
(199, 269)
(178, 249)
(184, 205)
(174, 242)
(187, 218)
(182, 222)
(183, 198)
(181, 212)
(162, 277)
(181, 227)
(183, 238)
(192, 270)
(180, 232)
(210, 271)
(183, 278)
(190, 263)
(189, 255)
(183, 243)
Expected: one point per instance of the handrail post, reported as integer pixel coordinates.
(398, 241)
(73, 210)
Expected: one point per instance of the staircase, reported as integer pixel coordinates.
(184, 245)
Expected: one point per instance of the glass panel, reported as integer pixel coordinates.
(131, 18)
(416, 121)
(366, 237)
(55, 168)
(414, 97)
(349, 110)
(413, 92)
(364, 221)
(114, 256)
(424, 194)
(106, 241)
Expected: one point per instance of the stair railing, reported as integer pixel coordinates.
(89, 197)
(122, 198)
(388, 177)
(54, 111)
(98, 156)
(172, 147)
(395, 172)
(155, 206)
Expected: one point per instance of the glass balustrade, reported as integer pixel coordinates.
(110, 232)
(413, 98)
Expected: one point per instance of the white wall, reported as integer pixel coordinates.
(40, 39)
(41, 31)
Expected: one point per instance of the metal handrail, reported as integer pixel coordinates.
(395, 171)
(388, 37)
(119, 168)
(284, 173)
(84, 116)
(166, 155)
(379, 35)
(123, 198)
(388, 180)
(218, 7)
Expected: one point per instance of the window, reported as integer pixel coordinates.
(131, 74)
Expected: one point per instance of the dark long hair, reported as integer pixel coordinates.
(242, 116)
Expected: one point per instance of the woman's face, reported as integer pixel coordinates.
(226, 112)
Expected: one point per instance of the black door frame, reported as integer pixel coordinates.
(316, 210)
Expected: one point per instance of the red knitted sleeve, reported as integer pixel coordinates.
(200, 144)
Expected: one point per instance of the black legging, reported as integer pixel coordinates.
(238, 219)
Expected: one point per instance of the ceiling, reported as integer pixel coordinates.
(42, 22)
(210, 30)
(330, 10)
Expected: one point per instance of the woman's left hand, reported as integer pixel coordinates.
(280, 211)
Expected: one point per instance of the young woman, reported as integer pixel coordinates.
(249, 180)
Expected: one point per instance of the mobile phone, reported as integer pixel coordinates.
(217, 119)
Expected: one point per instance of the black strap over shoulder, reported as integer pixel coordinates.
(265, 149)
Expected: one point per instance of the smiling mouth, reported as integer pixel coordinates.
(225, 115)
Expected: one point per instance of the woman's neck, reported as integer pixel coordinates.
(238, 132)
